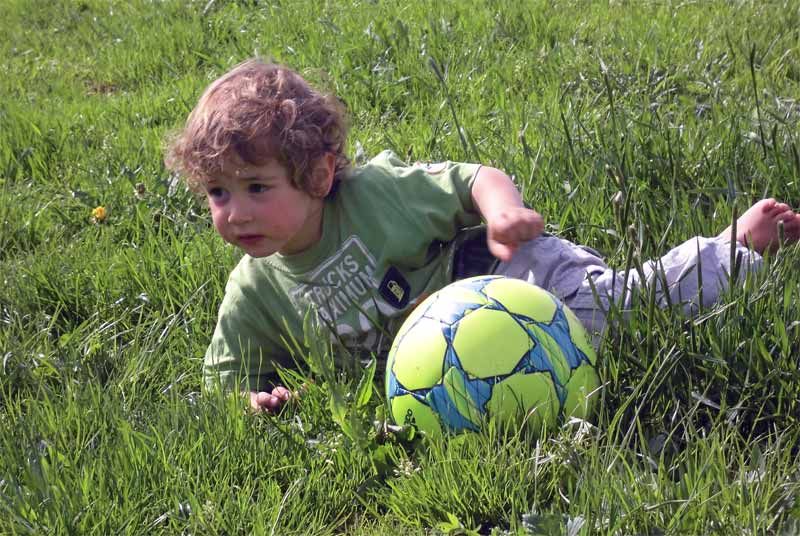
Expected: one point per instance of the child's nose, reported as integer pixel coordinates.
(238, 214)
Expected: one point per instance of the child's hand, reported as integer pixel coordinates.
(269, 402)
(510, 227)
(500, 204)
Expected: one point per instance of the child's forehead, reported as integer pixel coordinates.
(234, 167)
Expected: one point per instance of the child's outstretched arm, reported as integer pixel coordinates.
(500, 204)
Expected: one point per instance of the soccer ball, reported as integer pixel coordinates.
(490, 348)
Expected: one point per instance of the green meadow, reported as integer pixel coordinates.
(631, 126)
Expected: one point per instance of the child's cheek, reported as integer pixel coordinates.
(219, 219)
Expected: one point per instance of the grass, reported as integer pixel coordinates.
(688, 110)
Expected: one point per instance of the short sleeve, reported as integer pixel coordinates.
(245, 349)
(438, 195)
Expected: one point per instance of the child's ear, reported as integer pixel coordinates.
(322, 175)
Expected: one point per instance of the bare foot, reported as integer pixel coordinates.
(758, 226)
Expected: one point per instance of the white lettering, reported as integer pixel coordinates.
(356, 289)
(351, 264)
(343, 274)
(319, 295)
(341, 288)
(330, 278)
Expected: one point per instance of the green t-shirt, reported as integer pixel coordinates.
(387, 242)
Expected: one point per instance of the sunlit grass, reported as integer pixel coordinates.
(685, 113)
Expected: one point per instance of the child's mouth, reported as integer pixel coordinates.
(248, 240)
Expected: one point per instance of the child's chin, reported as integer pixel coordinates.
(256, 254)
(257, 250)
(253, 251)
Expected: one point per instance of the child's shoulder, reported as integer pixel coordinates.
(252, 274)
(384, 162)
(388, 164)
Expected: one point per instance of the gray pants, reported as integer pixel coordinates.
(565, 269)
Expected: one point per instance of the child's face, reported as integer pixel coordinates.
(258, 209)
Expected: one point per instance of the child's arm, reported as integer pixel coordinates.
(508, 221)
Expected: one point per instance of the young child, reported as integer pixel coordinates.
(361, 247)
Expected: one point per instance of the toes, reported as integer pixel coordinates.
(775, 210)
(792, 223)
(791, 227)
(767, 205)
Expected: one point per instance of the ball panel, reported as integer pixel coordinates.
(449, 312)
(490, 342)
(531, 397)
(414, 315)
(407, 410)
(462, 294)
(392, 387)
(522, 298)
(582, 392)
(417, 359)
(548, 354)
(478, 282)
(453, 421)
(461, 396)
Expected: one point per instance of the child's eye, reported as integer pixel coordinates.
(215, 193)
(256, 188)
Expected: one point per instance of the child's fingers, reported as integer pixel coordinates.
(533, 225)
(281, 393)
(264, 399)
(272, 401)
(509, 231)
(503, 251)
(527, 231)
(517, 226)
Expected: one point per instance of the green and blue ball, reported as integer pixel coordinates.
(490, 348)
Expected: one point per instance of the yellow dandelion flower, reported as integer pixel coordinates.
(99, 214)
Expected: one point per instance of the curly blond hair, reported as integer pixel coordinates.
(255, 112)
